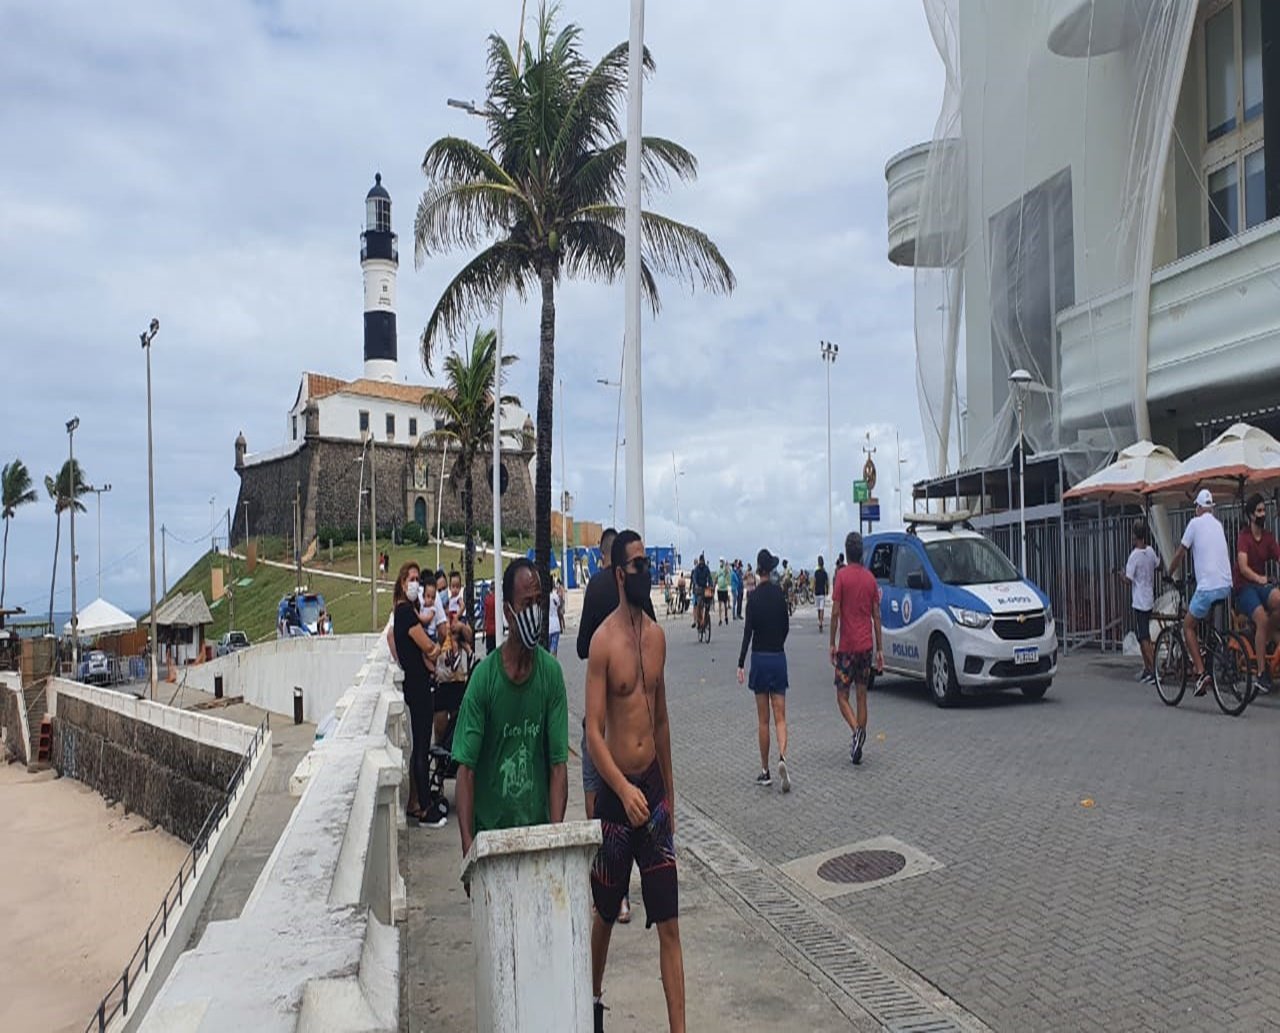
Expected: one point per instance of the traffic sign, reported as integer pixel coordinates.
(861, 491)
(871, 512)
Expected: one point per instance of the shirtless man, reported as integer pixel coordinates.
(629, 738)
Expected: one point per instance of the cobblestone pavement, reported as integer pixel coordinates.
(1154, 908)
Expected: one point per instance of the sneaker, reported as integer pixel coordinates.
(783, 776)
(858, 740)
(1148, 677)
(854, 755)
(1202, 684)
(432, 820)
(599, 1012)
(764, 778)
(1140, 676)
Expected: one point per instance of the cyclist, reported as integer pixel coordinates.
(1255, 596)
(701, 581)
(1205, 539)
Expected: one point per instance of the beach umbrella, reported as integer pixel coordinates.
(1135, 469)
(1242, 455)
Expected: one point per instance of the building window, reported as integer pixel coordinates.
(364, 421)
(1234, 164)
(295, 428)
(391, 425)
(413, 426)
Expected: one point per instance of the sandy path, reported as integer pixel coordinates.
(78, 884)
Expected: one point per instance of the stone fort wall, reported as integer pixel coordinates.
(325, 474)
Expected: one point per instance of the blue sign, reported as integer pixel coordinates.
(871, 512)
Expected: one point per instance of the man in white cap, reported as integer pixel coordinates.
(1205, 539)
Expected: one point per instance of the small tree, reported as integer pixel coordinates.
(65, 492)
(15, 490)
(464, 412)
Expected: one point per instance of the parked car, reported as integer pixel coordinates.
(97, 667)
(232, 641)
(957, 613)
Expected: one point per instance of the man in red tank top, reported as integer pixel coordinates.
(855, 638)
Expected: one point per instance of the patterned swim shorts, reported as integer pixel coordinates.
(650, 847)
(853, 668)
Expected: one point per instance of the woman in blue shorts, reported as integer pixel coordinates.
(765, 634)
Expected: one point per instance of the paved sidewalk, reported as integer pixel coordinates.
(735, 977)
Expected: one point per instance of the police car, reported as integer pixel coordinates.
(956, 613)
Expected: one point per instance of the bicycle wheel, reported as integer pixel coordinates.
(1232, 673)
(1170, 666)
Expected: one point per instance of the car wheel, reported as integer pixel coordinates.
(1036, 690)
(942, 674)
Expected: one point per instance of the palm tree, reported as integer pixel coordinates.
(464, 415)
(65, 492)
(15, 491)
(544, 200)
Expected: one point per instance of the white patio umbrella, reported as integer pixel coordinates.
(1129, 477)
(1240, 456)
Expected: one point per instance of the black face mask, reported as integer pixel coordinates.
(1259, 520)
(636, 587)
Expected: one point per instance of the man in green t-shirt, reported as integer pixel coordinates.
(512, 737)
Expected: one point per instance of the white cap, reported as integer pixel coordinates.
(1203, 499)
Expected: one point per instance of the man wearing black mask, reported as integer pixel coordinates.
(629, 737)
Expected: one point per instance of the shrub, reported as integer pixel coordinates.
(413, 533)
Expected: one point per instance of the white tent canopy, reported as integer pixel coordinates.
(1136, 468)
(101, 618)
(1241, 456)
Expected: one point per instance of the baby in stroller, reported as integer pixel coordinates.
(453, 672)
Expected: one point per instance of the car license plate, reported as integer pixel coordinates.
(1026, 655)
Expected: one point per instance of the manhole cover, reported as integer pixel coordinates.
(862, 866)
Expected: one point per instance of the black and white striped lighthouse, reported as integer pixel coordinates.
(378, 261)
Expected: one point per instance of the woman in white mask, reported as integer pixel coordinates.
(416, 652)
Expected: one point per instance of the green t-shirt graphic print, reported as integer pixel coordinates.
(510, 735)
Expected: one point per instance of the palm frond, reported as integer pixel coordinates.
(454, 214)
(672, 248)
(15, 488)
(474, 292)
(597, 251)
(593, 118)
(455, 159)
(601, 177)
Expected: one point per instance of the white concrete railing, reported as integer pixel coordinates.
(265, 675)
(314, 947)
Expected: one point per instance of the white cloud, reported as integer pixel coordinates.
(207, 165)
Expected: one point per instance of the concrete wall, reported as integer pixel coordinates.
(266, 674)
(171, 766)
(314, 947)
(14, 729)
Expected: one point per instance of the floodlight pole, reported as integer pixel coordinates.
(631, 349)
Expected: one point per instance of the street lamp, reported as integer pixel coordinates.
(829, 352)
(147, 336)
(617, 439)
(1020, 382)
(99, 492)
(72, 484)
(676, 474)
(632, 260)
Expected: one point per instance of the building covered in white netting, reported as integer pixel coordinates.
(1098, 206)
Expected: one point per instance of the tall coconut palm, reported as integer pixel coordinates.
(15, 490)
(544, 200)
(65, 492)
(464, 415)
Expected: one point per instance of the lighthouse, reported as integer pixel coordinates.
(378, 261)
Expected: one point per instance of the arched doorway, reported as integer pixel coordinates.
(420, 511)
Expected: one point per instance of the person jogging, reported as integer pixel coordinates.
(765, 634)
(855, 615)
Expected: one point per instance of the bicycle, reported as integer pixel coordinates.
(1225, 657)
(703, 614)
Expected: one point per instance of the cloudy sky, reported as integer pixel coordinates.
(207, 164)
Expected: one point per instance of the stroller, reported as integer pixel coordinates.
(448, 697)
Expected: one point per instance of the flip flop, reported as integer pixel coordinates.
(624, 914)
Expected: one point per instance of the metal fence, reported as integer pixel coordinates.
(116, 1000)
(1078, 560)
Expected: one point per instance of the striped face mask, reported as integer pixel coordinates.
(529, 626)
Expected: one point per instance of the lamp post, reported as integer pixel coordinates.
(829, 352)
(360, 509)
(617, 437)
(72, 424)
(1020, 381)
(213, 544)
(99, 492)
(631, 268)
(373, 537)
(676, 474)
(897, 441)
(147, 336)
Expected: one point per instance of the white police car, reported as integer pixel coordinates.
(956, 613)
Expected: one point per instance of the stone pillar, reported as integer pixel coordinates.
(531, 925)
